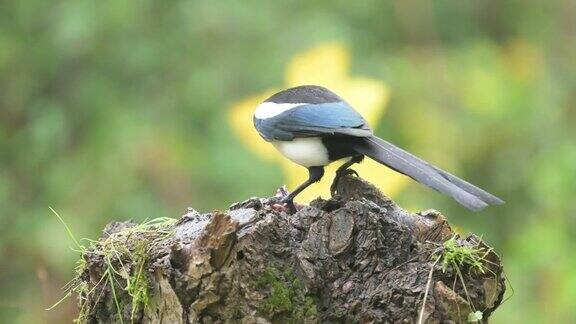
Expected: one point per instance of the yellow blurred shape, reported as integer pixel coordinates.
(325, 65)
(523, 59)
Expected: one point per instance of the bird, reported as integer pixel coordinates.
(313, 127)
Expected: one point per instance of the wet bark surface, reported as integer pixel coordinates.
(355, 258)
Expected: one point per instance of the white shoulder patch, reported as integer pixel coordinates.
(270, 109)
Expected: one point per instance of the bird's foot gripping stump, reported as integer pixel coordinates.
(355, 258)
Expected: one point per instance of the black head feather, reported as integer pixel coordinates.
(310, 94)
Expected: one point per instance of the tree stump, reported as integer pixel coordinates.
(355, 258)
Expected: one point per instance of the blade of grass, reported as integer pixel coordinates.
(68, 230)
(421, 317)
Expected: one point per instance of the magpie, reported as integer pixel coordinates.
(313, 127)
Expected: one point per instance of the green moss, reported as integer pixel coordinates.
(125, 256)
(138, 282)
(308, 309)
(457, 256)
(287, 299)
(280, 299)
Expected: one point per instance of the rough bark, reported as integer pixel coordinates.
(355, 258)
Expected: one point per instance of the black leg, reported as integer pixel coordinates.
(315, 174)
(343, 170)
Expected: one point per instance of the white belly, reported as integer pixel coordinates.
(307, 151)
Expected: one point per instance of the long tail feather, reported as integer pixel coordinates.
(427, 174)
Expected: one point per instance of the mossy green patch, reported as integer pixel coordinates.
(457, 256)
(138, 283)
(124, 255)
(287, 299)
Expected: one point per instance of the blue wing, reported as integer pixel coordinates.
(334, 118)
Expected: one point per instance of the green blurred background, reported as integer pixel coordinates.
(112, 110)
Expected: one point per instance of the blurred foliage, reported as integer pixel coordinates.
(116, 110)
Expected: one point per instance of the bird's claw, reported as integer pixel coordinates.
(281, 202)
(289, 203)
(340, 174)
(348, 172)
(281, 193)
